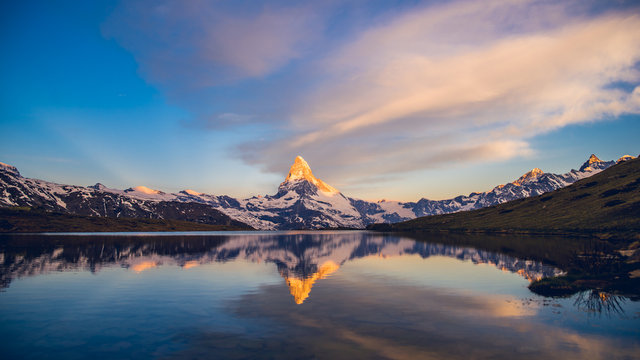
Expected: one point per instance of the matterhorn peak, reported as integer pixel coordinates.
(300, 170)
(534, 173)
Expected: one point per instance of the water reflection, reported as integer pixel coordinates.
(600, 302)
(400, 321)
(300, 258)
(327, 295)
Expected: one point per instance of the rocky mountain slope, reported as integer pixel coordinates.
(301, 202)
(97, 200)
(605, 205)
(534, 182)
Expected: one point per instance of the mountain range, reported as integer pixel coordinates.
(605, 205)
(301, 202)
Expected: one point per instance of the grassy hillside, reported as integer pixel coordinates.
(606, 205)
(34, 220)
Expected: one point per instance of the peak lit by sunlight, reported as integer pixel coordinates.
(300, 170)
(146, 190)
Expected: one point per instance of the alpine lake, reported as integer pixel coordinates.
(302, 295)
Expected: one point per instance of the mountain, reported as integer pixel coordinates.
(593, 163)
(532, 183)
(606, 204)
(301, 202)
(100, 201)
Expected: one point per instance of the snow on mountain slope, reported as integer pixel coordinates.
(528, 177)
(625, 158)
(595, 164)
(300, 170)
(301, 202)
(532, 183)
(98, 200)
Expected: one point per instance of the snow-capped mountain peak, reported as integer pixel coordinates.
(534, 173)
(302, 200)
(97, 186)
(593, 163)
(300, 170)
(625, 158)
(144, 190)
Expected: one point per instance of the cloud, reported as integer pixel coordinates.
(463, 82)
(454, 83)
(551, 72)
(198, 44)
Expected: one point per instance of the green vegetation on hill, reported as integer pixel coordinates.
(24, 219)
(605, 205)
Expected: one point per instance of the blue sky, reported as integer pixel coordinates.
(384, 99)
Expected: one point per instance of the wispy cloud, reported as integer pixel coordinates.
(198, 44)
(466, 82)
(461, 82)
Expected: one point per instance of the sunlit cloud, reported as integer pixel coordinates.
(462, 82)
(451, 84)
(561, 72)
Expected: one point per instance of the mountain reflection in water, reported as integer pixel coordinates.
(301, 258)
(300, 295)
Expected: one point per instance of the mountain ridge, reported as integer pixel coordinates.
(302, 201)
(605, 205)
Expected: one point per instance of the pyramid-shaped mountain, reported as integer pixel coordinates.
(301, 180)
(302, 201)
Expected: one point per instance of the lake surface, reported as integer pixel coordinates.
(326, 295)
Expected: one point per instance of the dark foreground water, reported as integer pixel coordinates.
(328, 295)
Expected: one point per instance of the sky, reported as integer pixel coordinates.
(384, 98)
